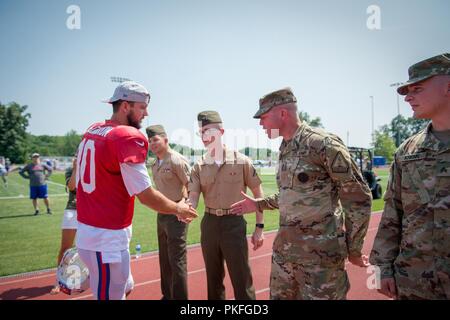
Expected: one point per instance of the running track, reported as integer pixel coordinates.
(146, 275)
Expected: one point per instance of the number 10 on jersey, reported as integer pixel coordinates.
(86, 160)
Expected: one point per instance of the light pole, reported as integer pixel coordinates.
(398, 96)
(397, 134)
(119, 79)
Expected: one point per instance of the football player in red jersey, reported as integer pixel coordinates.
(111, 172)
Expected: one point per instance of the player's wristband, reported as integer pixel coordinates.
(260, 225)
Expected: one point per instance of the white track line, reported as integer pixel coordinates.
(146, 256)
(56, 183)
(26, 197)
(262, 290)
(53, 274)
(149, 255)
(26, 189)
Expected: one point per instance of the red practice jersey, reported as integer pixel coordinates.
(102, 198)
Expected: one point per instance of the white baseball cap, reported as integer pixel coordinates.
(130, 91)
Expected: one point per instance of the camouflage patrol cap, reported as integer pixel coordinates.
(273, 99)
(438, 65)
(154, 130)
(207, 117)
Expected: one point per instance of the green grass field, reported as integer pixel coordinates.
(378, 205)
(29, 243)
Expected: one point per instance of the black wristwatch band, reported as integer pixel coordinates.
(260, 225)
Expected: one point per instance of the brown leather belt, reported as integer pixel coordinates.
(218, 212)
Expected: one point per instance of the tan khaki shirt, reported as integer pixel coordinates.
(172, 176)
(222, 185)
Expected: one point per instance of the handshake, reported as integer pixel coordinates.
(185, 211)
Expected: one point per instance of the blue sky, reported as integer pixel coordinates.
(198, 55)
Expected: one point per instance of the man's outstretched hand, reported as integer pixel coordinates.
(244, 206)
(185, 212)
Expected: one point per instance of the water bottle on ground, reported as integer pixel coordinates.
(138, 250)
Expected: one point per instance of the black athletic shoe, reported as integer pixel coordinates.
(36, 212)
(49, 211)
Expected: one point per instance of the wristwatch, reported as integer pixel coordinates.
(260, 225)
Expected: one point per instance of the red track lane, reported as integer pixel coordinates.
(147, 277)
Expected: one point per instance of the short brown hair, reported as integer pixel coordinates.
(116, 105)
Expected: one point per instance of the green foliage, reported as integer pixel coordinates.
(384, 145)
(54, 145)
(184, 150)
(17, 145)
(69, 143)
(400, 128)
(13, 137)
(258, 154)
(253, 153)
(316, 122)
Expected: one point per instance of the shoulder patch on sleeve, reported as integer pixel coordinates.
(339, 165)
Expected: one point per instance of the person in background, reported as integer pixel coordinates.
(37, 173)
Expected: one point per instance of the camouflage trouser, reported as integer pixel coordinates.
(413, 287)
(296, 281)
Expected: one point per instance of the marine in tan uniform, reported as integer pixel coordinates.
(320, 191)
(171, 176)
(221, 175)
(412, 246)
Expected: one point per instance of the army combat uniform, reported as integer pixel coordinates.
(320, 190)
(413, 240)
(171, 176)
(223, 236)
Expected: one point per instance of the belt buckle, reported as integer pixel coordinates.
(219, 212)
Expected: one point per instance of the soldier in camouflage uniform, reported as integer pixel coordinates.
(412, 246)
(171, 173)
(320, 190)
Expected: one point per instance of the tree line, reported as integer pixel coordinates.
(389, 136)
(17, 144)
